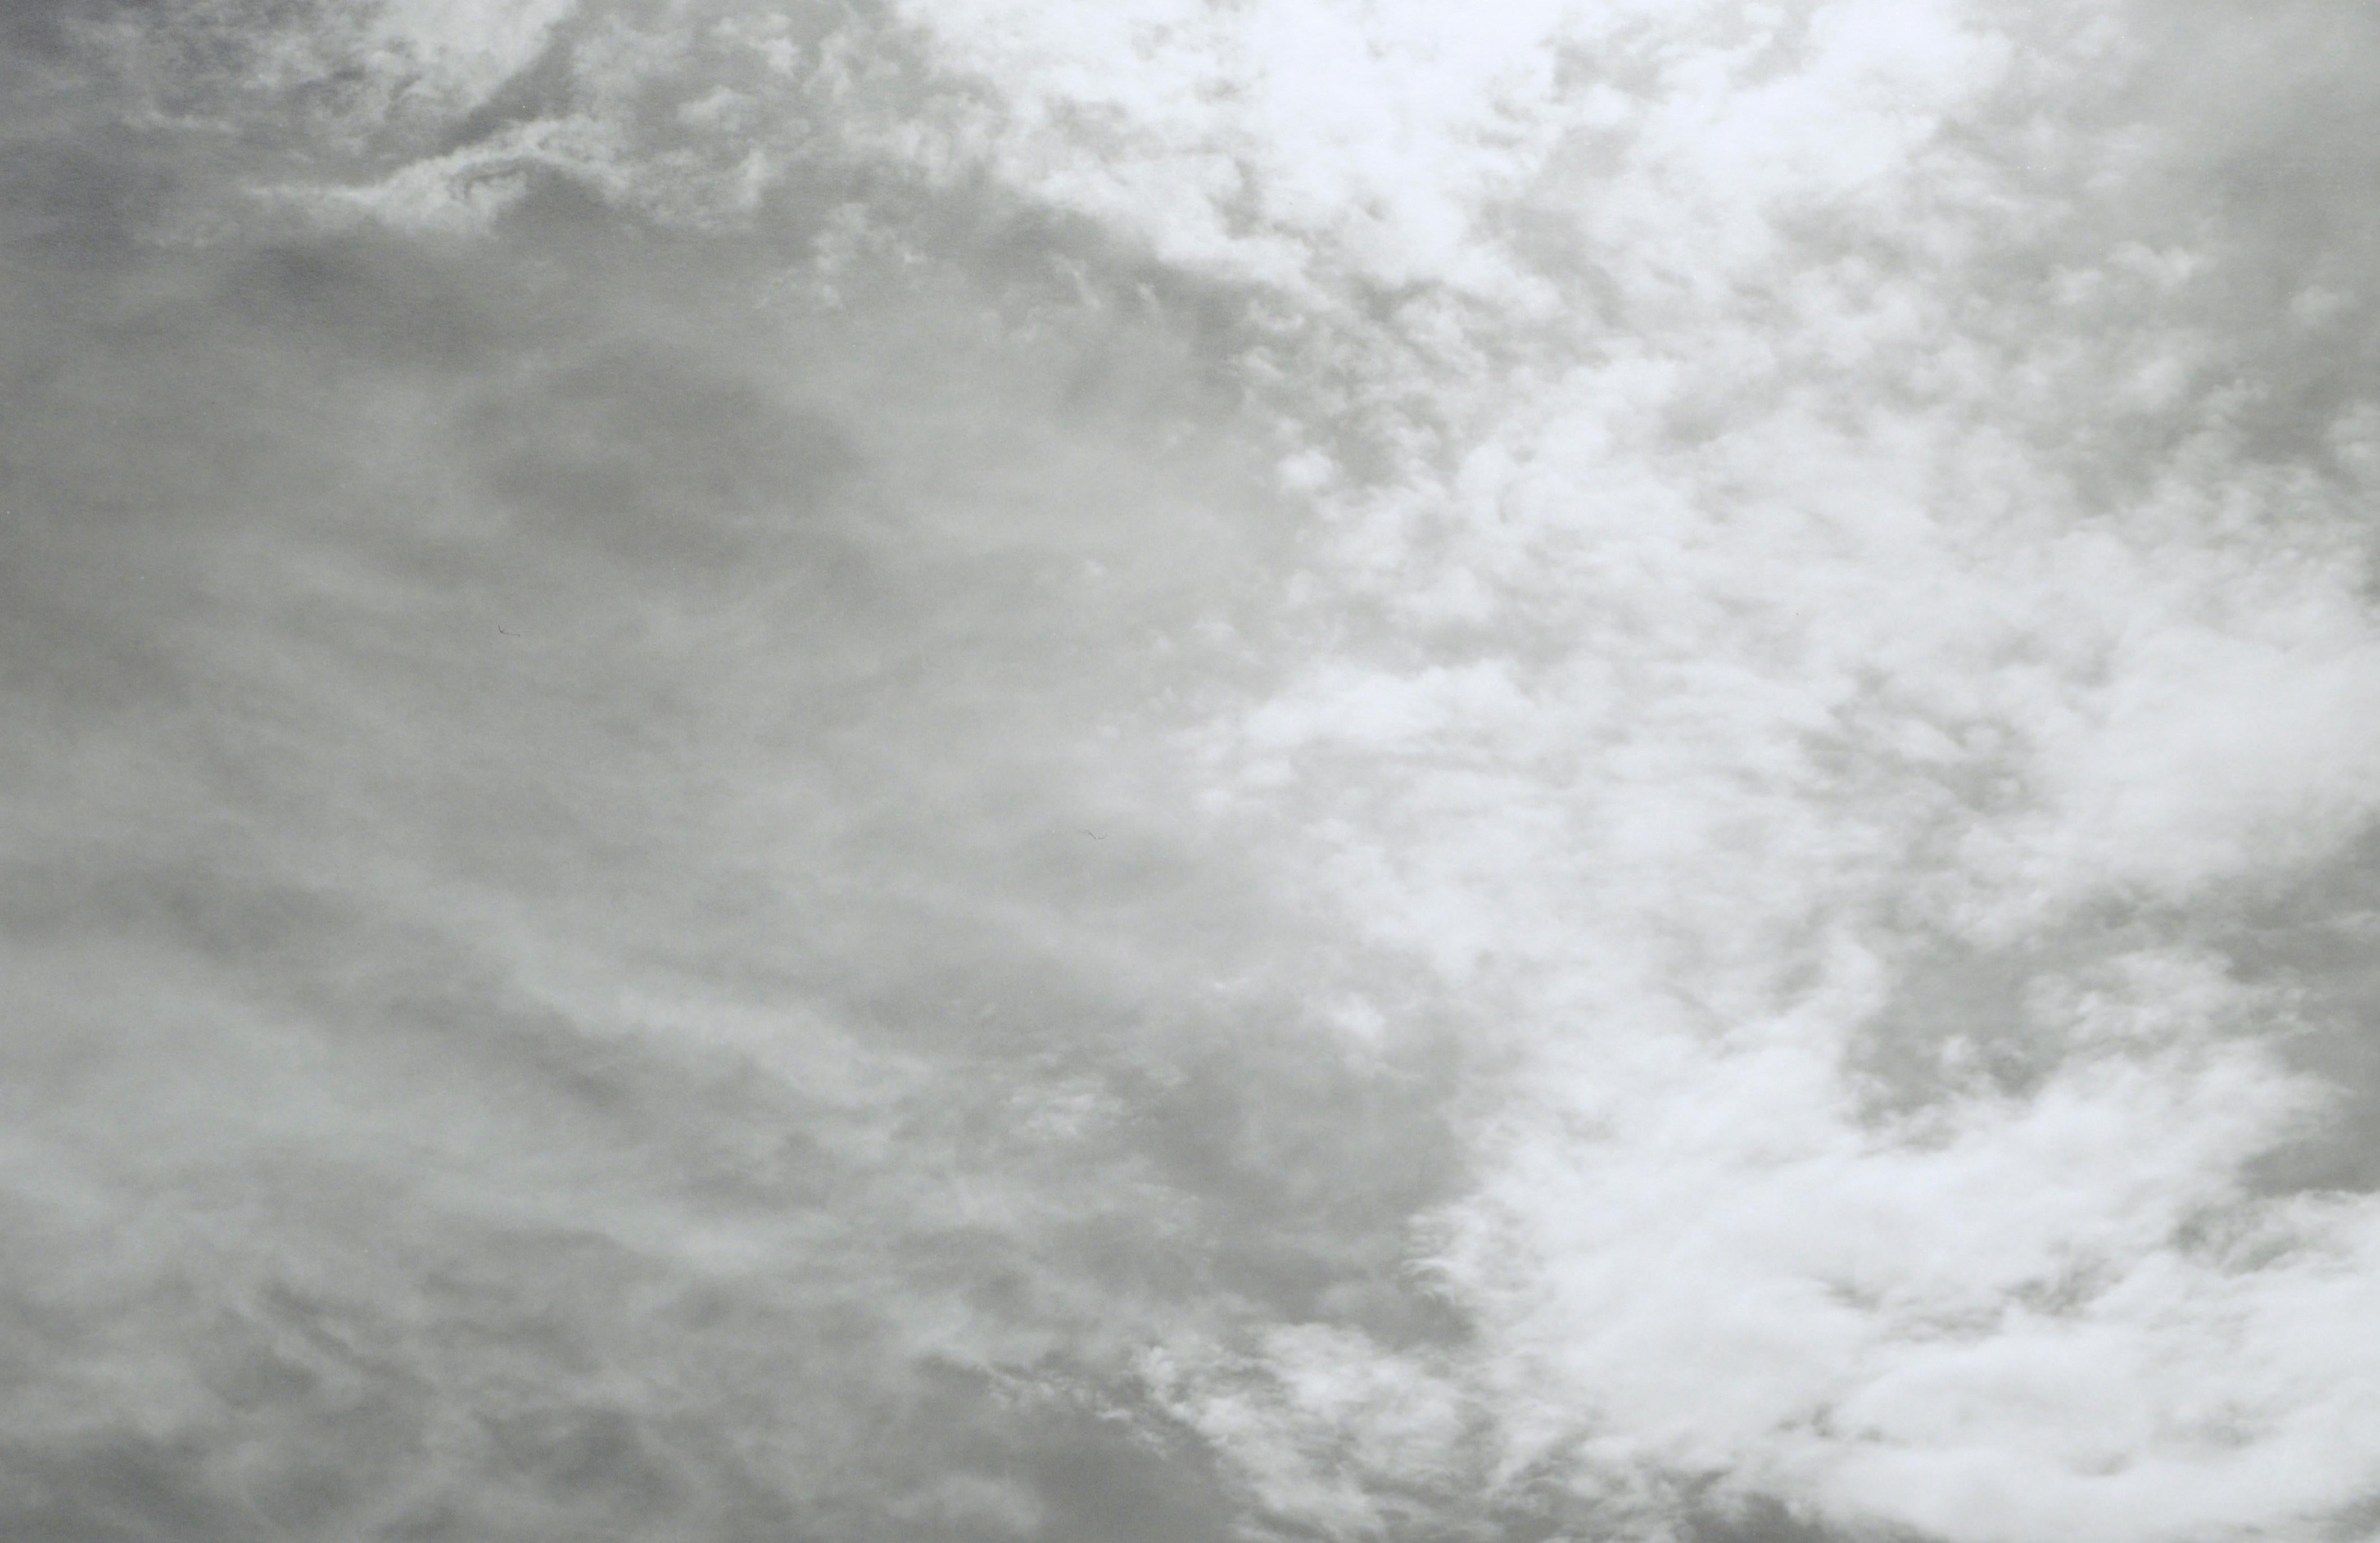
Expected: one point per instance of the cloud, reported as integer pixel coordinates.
(549, 915)
(1305, 768)
(1790, 620)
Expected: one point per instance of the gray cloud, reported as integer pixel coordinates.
(941, 772)
(595, 942)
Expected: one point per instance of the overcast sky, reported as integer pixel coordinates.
(951, 770)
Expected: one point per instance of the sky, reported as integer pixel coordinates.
(952, 770)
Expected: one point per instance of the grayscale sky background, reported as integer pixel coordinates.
(948, 770)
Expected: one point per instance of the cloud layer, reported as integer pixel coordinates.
(955, 769)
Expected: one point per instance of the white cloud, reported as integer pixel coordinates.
(1777, 613)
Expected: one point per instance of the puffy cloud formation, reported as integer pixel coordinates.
(968, 769)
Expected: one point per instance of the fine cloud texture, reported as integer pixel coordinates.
(952, 770)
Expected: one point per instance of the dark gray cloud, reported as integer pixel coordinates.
(595, 942)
